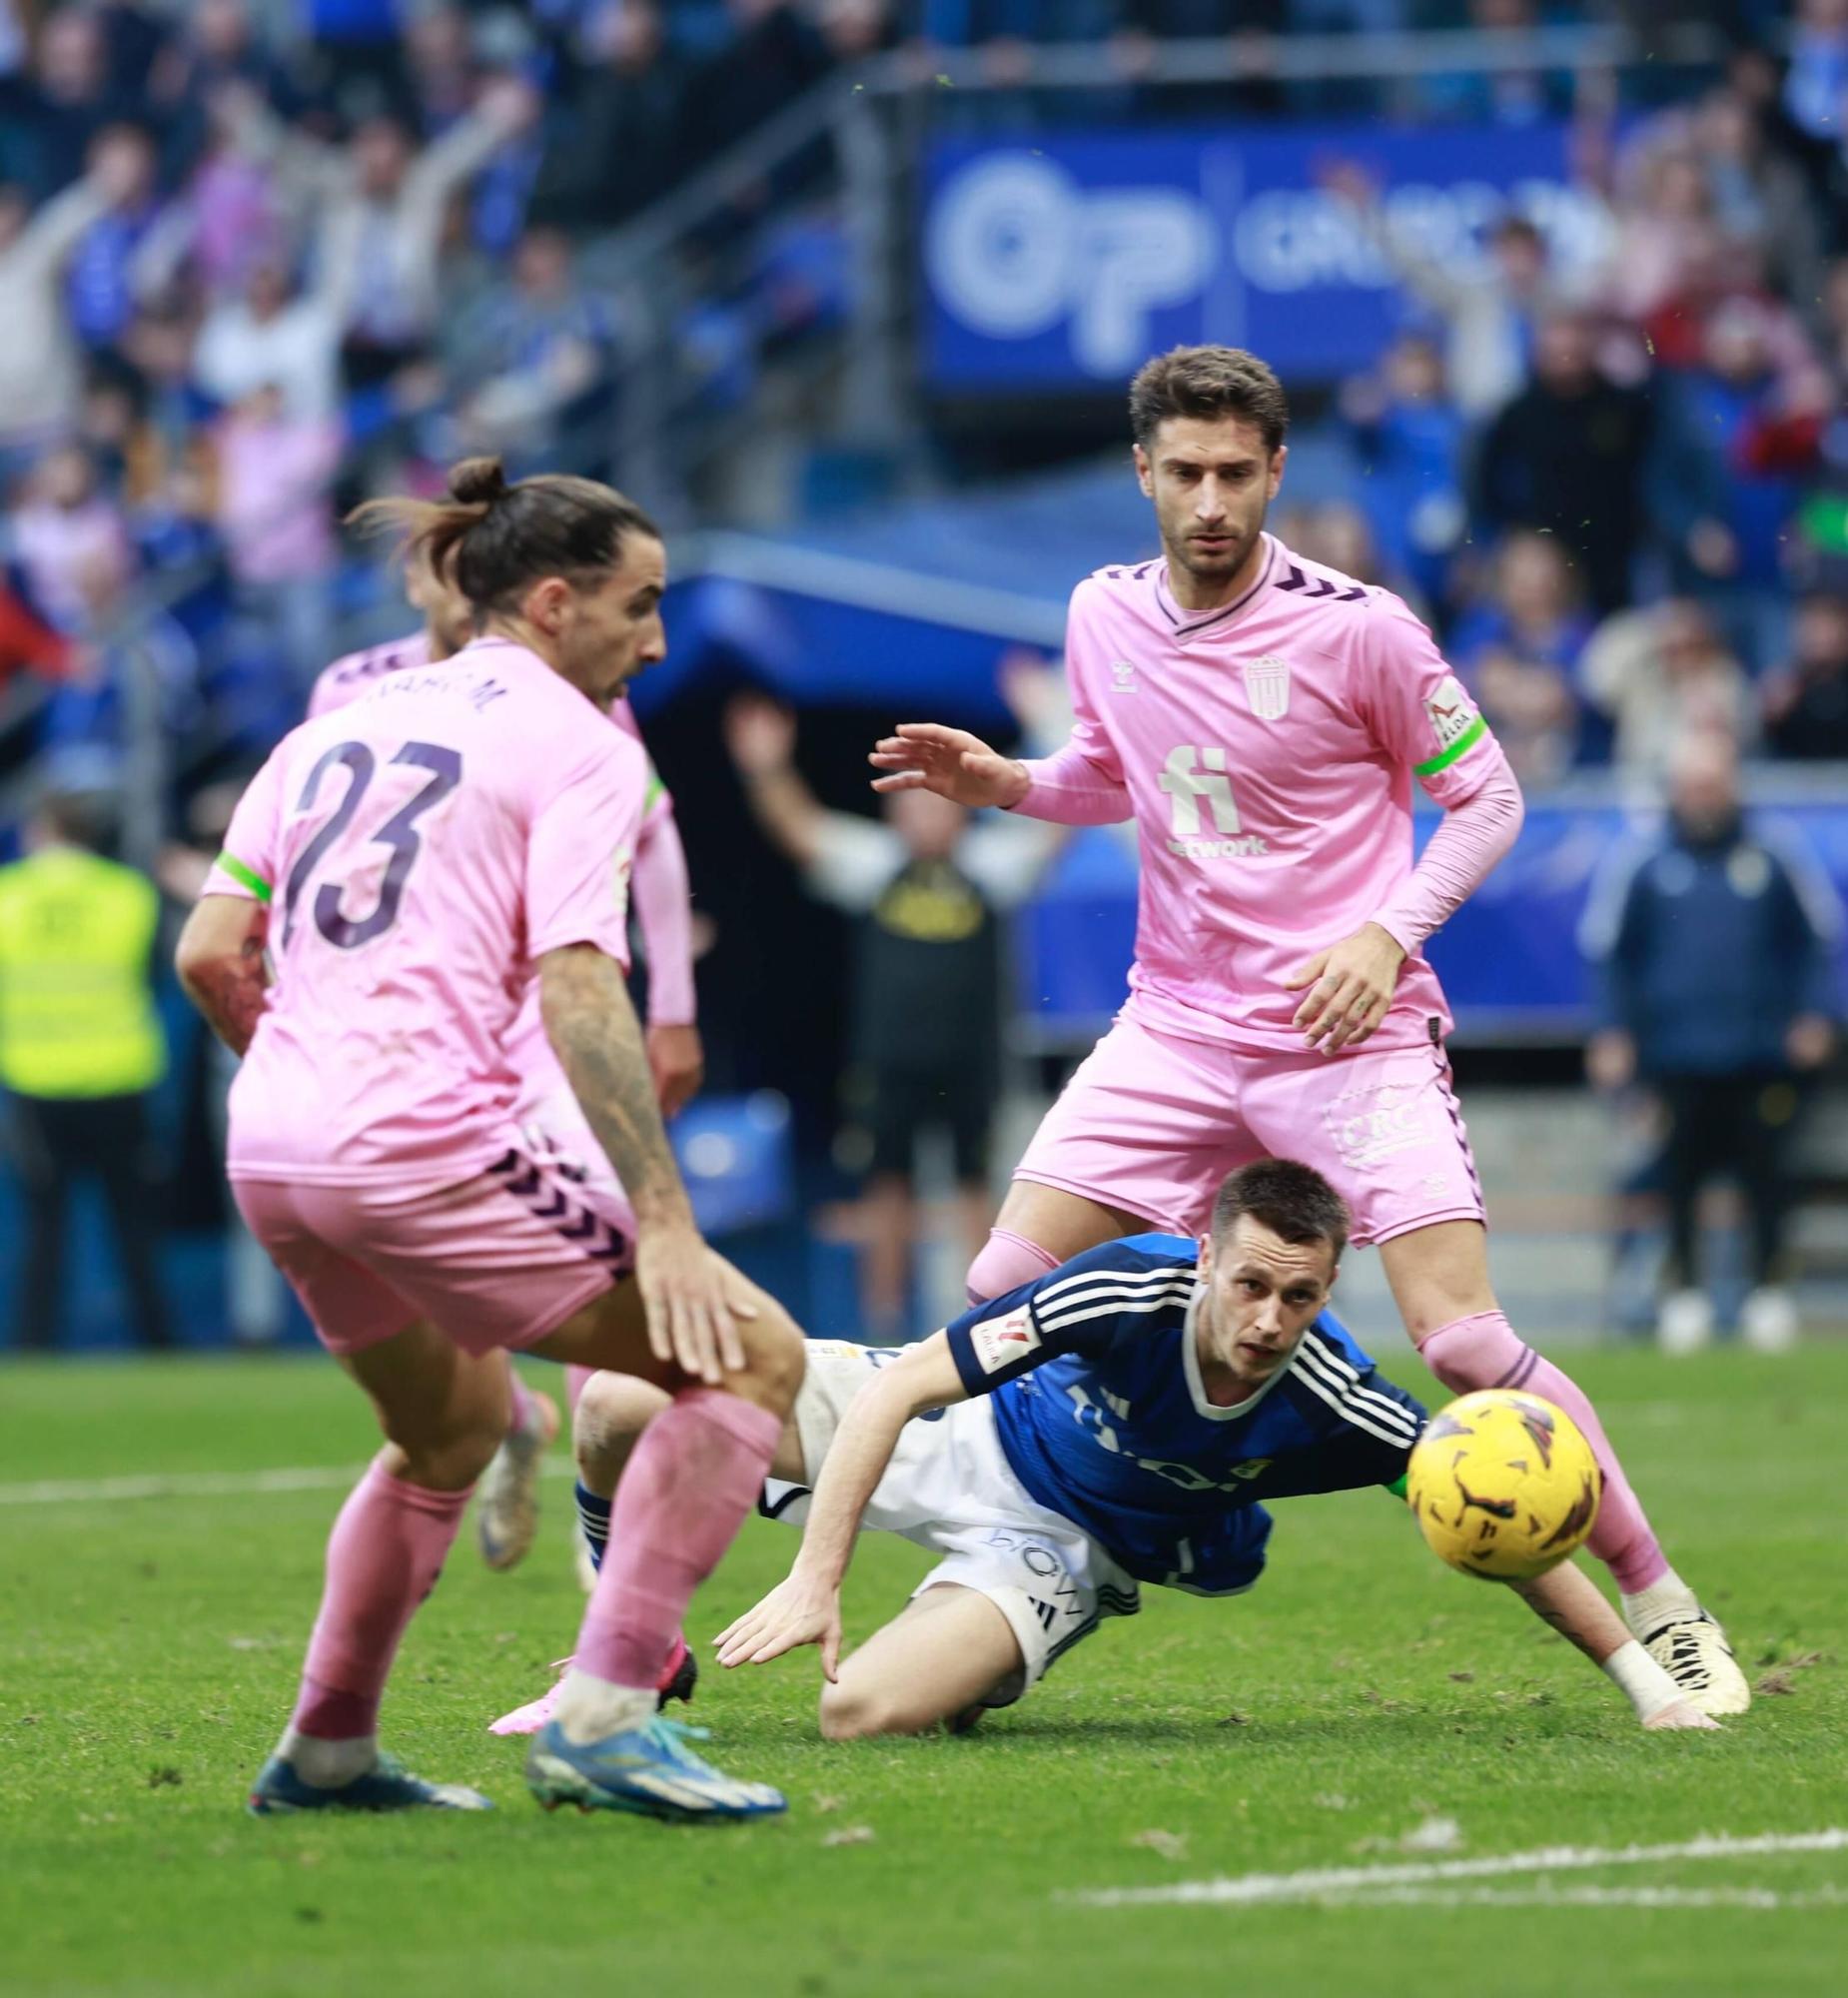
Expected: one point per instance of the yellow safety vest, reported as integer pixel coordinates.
(77, 1011)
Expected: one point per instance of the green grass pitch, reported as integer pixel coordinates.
(149, 1647)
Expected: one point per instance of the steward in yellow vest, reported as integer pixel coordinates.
(81, 1047)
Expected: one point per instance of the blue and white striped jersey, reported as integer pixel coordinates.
(1101, 1411)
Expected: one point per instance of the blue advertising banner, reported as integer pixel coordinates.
(1059, 263)
(1510, 958)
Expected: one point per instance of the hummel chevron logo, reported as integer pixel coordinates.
(1296, 580)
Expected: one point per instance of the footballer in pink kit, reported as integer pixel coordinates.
(396, 879)
(507, 1507)
(1263, 719)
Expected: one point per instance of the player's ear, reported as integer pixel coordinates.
(546, 603)
(1145, 473)
(1278, 458)
(1205, 1257)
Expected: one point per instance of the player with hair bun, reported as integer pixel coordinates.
(407, 864)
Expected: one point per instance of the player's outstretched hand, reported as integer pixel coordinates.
(926, 756)
(797, 1611)
(694, 1299)
(1350, 988)
(1682, 1715)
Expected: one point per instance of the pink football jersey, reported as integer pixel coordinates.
(541, 1080)
(1267, 752)
(346, 679)
(420, 849)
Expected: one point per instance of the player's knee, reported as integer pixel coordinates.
(1005, 1262)
(853, 1713)
(450, 1457)
(612, 1411)
(775, 1356)
(1481, 1351)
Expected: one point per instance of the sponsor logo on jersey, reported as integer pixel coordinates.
(1000, 1342)
(1266, 686)
(1195, 778)
(1123, 675)
(1450, 712)
(1373, 1123)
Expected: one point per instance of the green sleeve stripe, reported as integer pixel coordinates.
(651, 797)
(1398, 1485)
(1460, 747)
(246, 876)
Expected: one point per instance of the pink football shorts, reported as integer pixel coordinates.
(502, 1259)
(1150, 1124)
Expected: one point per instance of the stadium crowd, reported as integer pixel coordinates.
(260, 260)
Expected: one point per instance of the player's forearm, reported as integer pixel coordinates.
(219, 962)
(1473, 837)
(786, 809)
(1066, 788)
(857, 1458)
(591, 1025)
(1566, 1599)
(662, 894)
(230, 998)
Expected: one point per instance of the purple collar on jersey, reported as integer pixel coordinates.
(1202, 620)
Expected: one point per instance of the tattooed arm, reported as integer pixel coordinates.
(592, 1028)
(218, 960)
(1567, 1600)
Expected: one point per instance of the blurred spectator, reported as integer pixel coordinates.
(381, 206)
(81, 1049)
(1519, 652)
(1660, 673)
(773, 55)
(1759, 194)
(66, 534)
(1490, 313)
(441, 69)
(1567, 455)
(271, 334)
(1502, 96)
(1716, 942)
(46, 137)
(276, 513)
(126, 254)
(1409, 438)
(1670, 247)
(530, 362)
(1816, 80)
(1732, 438)
(40, 362)
(614, 143)
(1806, 705)
(929, 889)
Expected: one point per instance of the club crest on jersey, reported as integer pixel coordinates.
(1123, 675)
(1000, 1342)
(1451, 713)
(1266, 686)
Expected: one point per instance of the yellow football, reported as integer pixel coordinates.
(1504, 1484)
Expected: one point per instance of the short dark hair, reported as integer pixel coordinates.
(1288, 1198)
(1208, 383)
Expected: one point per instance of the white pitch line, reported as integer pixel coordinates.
(1768, 1898)
(198, 1485)
(1348, 1880)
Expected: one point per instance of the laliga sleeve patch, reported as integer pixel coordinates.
(1004, 1342)
(1454, 724)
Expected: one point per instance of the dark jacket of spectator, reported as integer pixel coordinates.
(1712, 940)
(1567, 458)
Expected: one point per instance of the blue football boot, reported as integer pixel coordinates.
(386, 1786)
(649, 1770)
